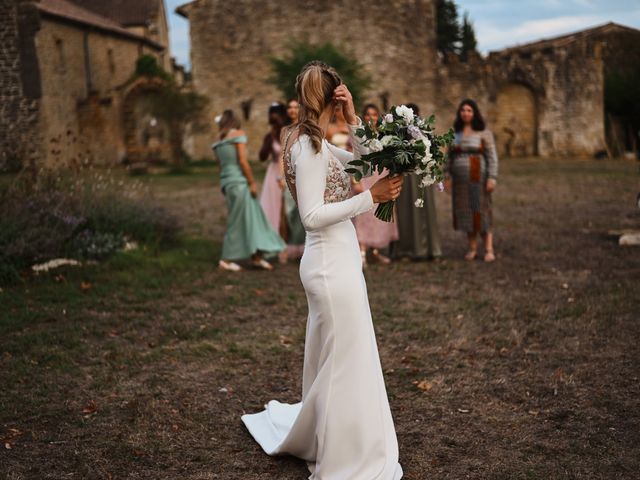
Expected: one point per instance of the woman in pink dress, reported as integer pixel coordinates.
(372, 232)
(271, 196)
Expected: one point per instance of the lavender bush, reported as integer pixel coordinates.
(87, 215)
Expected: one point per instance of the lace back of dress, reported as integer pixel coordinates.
(289, 169)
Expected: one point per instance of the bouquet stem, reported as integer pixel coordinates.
(385, 211)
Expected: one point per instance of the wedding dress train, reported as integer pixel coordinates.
(343, 426)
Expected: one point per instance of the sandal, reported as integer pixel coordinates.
(379, 257)
(262, 263)
(489, 256)
(229, 266)
(470, 255)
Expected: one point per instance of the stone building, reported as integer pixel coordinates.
(230, 50)
(543, 98)
(66, 68)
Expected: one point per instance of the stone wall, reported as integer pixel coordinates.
(19, 85)
(567, 83)
(62, 87)
(230, 51)
(542, 102)
(544, 98)
(86, 72)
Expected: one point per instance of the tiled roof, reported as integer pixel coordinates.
(125, 12)
(67, 10)
(184, 8)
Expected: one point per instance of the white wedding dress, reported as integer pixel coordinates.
(343, 426)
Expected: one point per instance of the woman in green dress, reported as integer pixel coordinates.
(248, 233)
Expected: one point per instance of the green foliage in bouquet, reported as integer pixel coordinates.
(402, 143)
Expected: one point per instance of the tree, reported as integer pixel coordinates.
(468, 40)
(175, 106)
(448, 27)
(302, 52)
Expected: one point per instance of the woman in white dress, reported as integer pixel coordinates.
(343, 426)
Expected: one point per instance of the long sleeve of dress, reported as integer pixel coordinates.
(490, 154)
(311, 182)
(358, 149)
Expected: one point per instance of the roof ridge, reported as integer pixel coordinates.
(124, 12)
(71, 11)
(566, 36)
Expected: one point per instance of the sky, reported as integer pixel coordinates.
(498, 23)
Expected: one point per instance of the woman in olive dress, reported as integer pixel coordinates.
(248, 234)
(472, 171)
(418, 227)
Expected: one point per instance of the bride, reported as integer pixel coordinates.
(343, 426)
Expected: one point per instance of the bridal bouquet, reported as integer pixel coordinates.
(402, 143)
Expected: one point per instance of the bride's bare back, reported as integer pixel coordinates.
(291, 136)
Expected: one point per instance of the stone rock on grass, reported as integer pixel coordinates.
(629, 239)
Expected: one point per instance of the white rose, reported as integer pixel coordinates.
(428, 160)
(405, 112)
(419, 203)
(376, 145)
(427, 180)
(388, 118)
(386, 140)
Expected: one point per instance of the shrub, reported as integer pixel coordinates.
(86, 215)
(286, 69)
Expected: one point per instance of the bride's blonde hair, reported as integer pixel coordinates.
(315, 85)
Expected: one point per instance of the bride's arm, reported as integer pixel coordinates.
(311, 175)
(358, 149)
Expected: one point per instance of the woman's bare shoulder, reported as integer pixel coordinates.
(236, 132)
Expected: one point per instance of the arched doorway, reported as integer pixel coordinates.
(516, 121)
(146, 138)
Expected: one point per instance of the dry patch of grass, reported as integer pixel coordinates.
(523, 369)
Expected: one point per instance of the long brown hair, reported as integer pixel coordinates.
(315, 85)
(477, 122)
(228, 121)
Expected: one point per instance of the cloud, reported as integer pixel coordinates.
(491, 36)
(498, 23)
(495, 32)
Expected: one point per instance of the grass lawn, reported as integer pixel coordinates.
(140, 367)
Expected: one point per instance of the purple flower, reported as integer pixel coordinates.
(440, 187)
(414, 132)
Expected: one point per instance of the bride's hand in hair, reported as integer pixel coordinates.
(342, 95)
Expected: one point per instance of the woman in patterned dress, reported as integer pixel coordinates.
(472, 172)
